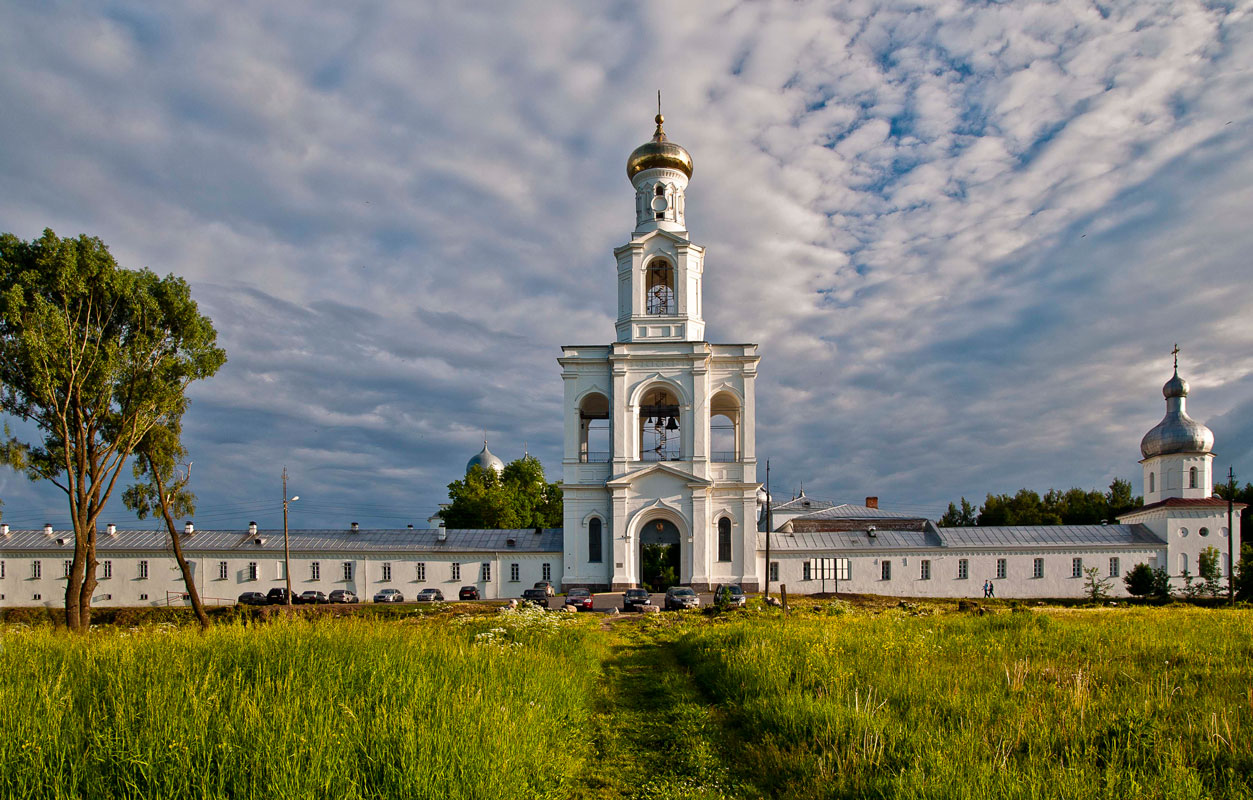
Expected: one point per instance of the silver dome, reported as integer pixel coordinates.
(1177, 432)
(487, 460)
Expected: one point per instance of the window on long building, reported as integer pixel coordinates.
(844, 569)
(1076, 567)
(348, 570)
(143, 570)
(1113, 567)
(807, 571)
(108, 569)
(36, 570)
(456, 571)
(924, 570)
(963, 569)
(1002, 568)
(222, 570)
(514, 573)
(1037, 569)
(315, 571)
(885, 570)
(421, 571)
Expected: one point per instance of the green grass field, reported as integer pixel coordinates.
(847, 702)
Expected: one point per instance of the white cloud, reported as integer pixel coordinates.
(965, 236)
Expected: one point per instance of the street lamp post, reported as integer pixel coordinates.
(286, 541)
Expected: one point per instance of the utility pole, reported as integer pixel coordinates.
(1231, 536)
(769, 526)
(286, 541)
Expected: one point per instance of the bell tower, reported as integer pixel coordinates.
(660, 270)
(660, 447)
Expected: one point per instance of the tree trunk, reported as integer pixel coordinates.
(74, 584)
(89, 582)
(189, 580)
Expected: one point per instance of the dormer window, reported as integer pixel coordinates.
(659, 291)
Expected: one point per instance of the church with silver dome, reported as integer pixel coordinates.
(660, 457)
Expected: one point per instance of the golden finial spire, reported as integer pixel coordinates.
(659, 135)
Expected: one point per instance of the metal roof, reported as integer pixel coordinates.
(549, 540)
(1010, 536)
(851, 541)
(801, 505)
(999, 538)
(853, 511)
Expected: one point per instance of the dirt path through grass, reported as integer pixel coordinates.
(656, 734)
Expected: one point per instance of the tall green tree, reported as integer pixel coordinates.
(518, 497)
(94, 356)
(963, 517)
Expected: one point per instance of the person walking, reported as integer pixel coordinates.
(985, 588)
(991, 589)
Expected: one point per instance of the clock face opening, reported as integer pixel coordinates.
(660, 204)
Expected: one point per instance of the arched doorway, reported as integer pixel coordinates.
(660, 562)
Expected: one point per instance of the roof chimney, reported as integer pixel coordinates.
(4, 530)
(511, 542)
(355, 528)
(872, 502)
(538, 531)
(188, 528)
(252, 528)
(871, 532)
(47, 529)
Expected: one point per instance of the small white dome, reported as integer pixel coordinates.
(487, 460)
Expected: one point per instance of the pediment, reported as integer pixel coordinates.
(658, 473)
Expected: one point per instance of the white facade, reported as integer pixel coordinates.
(660, 440)
(138, 568)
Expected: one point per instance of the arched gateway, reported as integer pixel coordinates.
(676, 413)
(660, 554)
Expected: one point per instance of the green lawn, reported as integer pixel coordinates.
(850, 702)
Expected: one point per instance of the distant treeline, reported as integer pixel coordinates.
(1070, 507)
(1056, 507)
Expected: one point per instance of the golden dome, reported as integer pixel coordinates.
(659, 153)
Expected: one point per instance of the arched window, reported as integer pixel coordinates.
(1152, 483)
(660, 435)
(1192, 478)
(1183, 563)
(724, 539)
(594, 431)
(724, 428)
(595, 549)
(659, 287)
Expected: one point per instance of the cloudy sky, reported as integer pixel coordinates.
(965, 235)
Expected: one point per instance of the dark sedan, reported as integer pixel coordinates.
(253, 599)
(468, 593)
(636, 599)
(537, 597)
(311, 597)
(680, 597)
(730, 595)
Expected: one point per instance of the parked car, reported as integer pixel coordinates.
(468, 593)
(342, 596)
(546, 586)
(730, 594)
(635, 599)
(537, 597)
(253, 599)
(277, 596)
(429, 596)
(389, 596)
(580, 599)
(311, 597)
(678, 597)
